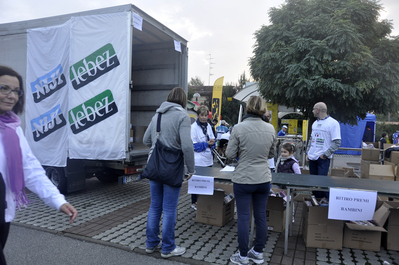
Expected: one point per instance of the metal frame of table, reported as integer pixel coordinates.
(317, 182)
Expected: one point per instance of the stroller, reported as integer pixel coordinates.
(219, 152)
(222, 159)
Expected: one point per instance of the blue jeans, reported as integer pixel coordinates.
(164, 199)
(258, 193)
(319, 167)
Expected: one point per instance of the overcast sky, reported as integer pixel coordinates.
(219, 29)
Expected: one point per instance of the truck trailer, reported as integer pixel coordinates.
(93, 81)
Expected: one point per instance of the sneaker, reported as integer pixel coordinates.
(194, 206)
(258, 259)
(236, 259)
(152, 250)
(178, 251)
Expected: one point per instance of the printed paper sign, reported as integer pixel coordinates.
(137, 21)
(351, 205)
(200, 185)
(177, 46)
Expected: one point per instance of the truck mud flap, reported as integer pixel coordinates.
(76, 181)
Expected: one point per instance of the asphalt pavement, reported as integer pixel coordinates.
(27, 246)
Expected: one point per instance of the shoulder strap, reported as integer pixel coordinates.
(159, 124)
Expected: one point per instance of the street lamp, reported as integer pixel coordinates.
(196, 95)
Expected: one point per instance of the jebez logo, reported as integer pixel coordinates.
(47, 123)
(47, 84)
(93, 66)
(92, 111)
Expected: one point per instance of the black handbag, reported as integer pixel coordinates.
(166, 164)
(3, 202)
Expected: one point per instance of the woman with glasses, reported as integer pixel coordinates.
(19, 168)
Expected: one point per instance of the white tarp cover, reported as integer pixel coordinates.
(92, 55)
(46, 109)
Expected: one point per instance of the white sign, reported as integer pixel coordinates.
(351, 205)
(137, 21)
(200, 185)
(227, 169)
(177, 46)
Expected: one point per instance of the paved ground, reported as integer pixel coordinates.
(116, 215)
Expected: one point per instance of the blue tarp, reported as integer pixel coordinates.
(352, 136)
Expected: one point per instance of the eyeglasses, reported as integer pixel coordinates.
(6, 90)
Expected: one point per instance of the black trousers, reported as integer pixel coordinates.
(4, 230)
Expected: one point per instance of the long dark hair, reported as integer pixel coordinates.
(5, 70)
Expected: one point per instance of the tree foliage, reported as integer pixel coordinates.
(335, 51)
(196, 81)
(242, 81)
(230, 109)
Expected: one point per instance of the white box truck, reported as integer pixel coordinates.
(93, 80)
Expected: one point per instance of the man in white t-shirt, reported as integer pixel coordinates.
(324, 140)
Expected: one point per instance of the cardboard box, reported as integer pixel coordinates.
(372, 154)
(382, 172)
(275, 213)
(386, 146)
(212, 210)
(318, 231)
(367, 237)
(390, 239)
(345, 172)
(365, 168)
(300, 197)
(393, 158)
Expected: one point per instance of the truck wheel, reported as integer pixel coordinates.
(58, 178)
(108, 176)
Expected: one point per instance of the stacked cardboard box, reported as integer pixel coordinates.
(393, 156)
(318, 231)
(212, 209)
(370, 156)
(382, 172)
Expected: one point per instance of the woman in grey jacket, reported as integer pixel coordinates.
(175, 133)
(253, 141)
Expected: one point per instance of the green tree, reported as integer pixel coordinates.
(241, 81)
(333, 51)
(190, 93)
(196, 81)
(230, 109)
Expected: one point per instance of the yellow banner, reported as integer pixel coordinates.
(305, 130)
(217, 98)
(273, 109)
(293, 126)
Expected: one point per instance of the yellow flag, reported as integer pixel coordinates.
(217, 98)
(305, 130)
(273, 109)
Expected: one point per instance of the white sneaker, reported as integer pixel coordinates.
(152, 250)
(194, 206)
(178, 251)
